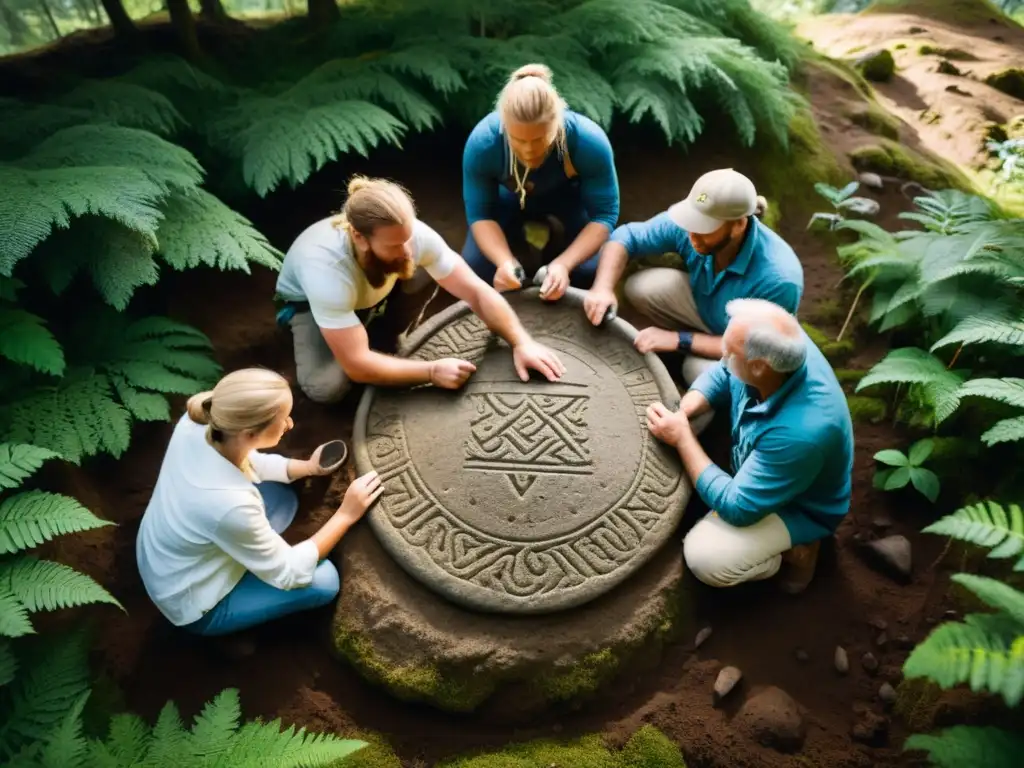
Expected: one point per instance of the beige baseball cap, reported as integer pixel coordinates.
(716, 197)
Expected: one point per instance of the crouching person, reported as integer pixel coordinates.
(209, 547)
(792, 455)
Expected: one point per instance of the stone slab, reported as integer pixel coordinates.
(524, 497)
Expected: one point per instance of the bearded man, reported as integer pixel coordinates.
(343, 267)
(727, 253)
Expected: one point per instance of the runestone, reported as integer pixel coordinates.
(523, 497)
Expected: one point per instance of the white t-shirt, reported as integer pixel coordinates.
(321, 269)
(206, 525)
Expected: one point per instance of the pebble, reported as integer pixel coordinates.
(881, 521)
(870, 662)
(842, 661)
(887, 693)
(871, 729)
(882, 640)
(891, 555)
(862, 206)
(802, 655)
(772, 718)
(727, 680)
(880, 624)
(702, 637)
(872, 180)
(904, 643)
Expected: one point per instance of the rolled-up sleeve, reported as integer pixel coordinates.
(714, 385)
(245, 534)
(270, 466)
(658, 235)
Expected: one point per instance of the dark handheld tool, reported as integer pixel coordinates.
(333, 455)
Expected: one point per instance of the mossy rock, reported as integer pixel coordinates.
(887, 158)
(849, 377)
(647, 748)
(1009, 81)
(953, 54)
(916, 701)
(866, 410)
(828, 311)
(957, 12)
(419, 647)
(832, 350)
(376, 754)
(948, 68)
(876, 120)
(879, 66)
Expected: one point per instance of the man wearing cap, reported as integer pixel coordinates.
(728, 254)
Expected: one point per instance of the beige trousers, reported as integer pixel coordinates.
(318, 373)
(722, 555)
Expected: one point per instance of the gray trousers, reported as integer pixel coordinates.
(319, 375)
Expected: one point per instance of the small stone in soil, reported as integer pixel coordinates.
(949, 615)
(872, 180)
(881, 521)
(841, 660)
(904, 643)
(870, 662)
(891, 555)
(702, 637)
(871, 729)
(802, 655)
(887, 693)
(882, 640)
(771, 717)
(880, 624)
(726, 681)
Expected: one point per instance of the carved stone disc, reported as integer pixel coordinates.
(523, 497)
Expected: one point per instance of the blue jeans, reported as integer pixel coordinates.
(570, 212)
(253, 601)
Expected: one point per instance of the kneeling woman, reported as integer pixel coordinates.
(209, 548)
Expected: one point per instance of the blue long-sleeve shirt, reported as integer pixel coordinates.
(792, 454)
(487, 181)
(765, 267)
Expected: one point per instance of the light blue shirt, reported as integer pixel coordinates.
(765, 267)
(792, 454)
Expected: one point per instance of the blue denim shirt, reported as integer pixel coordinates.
(792, 454)
(765, 267)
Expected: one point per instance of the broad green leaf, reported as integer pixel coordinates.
(892, 457)
(898, 479)
(920, 451)
(925, 481)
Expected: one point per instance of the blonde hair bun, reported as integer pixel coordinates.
(198, 407)
(532, 70)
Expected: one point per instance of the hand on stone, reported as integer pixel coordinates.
(596, 303)
(668, 426)
(361, 493)
(656, 340)
(555, 282)
(531, 354)
(505, 277)
(450, 372)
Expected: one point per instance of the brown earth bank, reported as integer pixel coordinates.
(774, 639)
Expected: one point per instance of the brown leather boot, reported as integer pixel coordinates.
(798, 567)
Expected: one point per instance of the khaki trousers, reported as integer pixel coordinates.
(318, 373)
(722, 555)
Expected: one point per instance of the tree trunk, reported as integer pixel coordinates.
(124, 27)
(184, 24)
(213, 10)
(323, 12)
(49, 16)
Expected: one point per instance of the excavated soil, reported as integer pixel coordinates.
(774, 639)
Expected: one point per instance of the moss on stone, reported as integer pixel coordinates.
(866, 410)
(647, 748)
(578, 679)
(772, 216)
(828, 311)
(876, 120)
(916, 703)
(879, 66)
(954, 54)
(948, 68)
(1009, 81)
(376, 754)
(891, 159)
(831, 349)
(849, 377)
(414, 682)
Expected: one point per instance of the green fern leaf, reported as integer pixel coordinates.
(24, 124)
(949, 211)
(8, 663)
(987, 525)
(603, 24)
(144, 406)
(213, 733)
(37, 200)
(985, 329)
(1005, 431)
(256, 740)
(965, 746)
(911, 365)
(14, 620)
(19, 462)
(985, 651)
(173, 333)
(76, 418)
(999, 595)
(43, 585)
(199, 229)
(639, 97)
(108, 146)
(9, 287)
(53, 674)
(25, 339)
(169, 743)
(428, 63)
(65, 746)
(1008, 390)
(172, 76)
(126, 743)
(31, 518)
(125, 104)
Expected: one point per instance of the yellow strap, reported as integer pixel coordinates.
(570, 170)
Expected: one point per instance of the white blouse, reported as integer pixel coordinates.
(206, 525)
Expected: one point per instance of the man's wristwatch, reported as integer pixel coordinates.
(685, 341)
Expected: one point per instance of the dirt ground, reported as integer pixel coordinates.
(294, 677)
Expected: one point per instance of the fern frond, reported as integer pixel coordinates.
(172, 75)
(53, 674)
(963, 746)
(1004, 431)
(985, 651)
(25, 123)
(43, 585)
(424, 61)
(998, 595)
(65, 746)
(19, 462)
(911, 365)
(169, 741)
(736, 18)
(77, 417)
(676, 117)
(126, 743)
(214, 730)
(949, 211)
(25, 339)
(125, 103)
(9, 287)
(256, 740)
(985, 329)
(199, 229)
(35, 201)
(1008, 390)
(31, 518)
(14, 619)
(603, 24)
(8, 663)
(989, 525)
